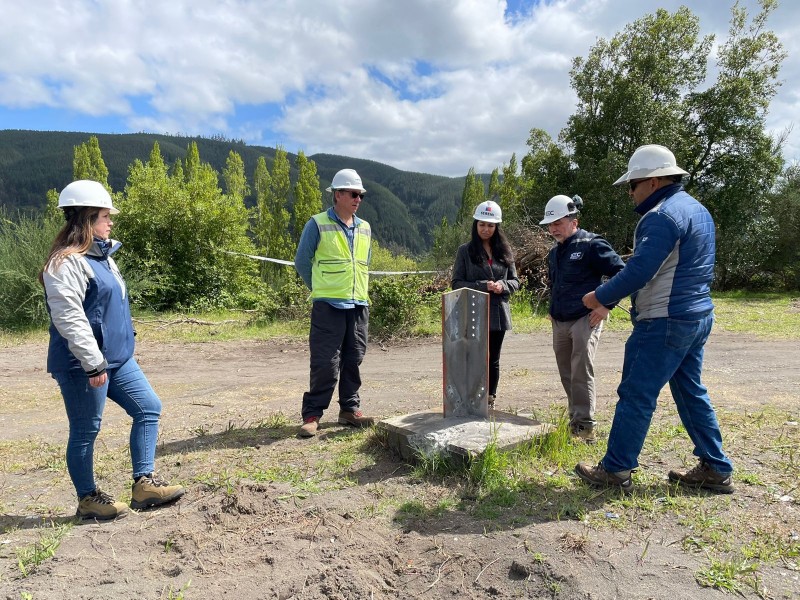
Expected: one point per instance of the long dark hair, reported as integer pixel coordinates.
(75, 237)
(501, 249)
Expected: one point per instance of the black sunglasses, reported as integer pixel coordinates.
(632, 184)
(353, 194)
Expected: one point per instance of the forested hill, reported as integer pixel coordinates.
(403, 207)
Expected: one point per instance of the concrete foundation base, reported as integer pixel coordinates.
(430, 433)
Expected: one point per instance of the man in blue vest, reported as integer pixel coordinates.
(333, 258)
(669, 280)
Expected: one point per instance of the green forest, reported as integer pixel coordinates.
(403, 207)
(187, 203)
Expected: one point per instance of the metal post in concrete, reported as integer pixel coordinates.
(465, 353)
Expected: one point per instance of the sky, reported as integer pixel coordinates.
(435, 86)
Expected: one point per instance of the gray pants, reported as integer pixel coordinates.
(575, 344)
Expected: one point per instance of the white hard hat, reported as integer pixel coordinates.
(86, 193)
(346, 179)
(651, 160)
(560, 206)
(488, 212)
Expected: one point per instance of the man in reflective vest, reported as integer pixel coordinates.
(333, 258)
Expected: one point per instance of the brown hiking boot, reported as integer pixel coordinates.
(309, 427)
(151, 490)
(584, 432)
(355, 419)
(99, 505)
(703, 476)
(599, 477)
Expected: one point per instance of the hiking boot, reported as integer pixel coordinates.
(599, 477)
(492, 400)
(703, 476)
(309, 427)
(355, 419)
(99, 505)
(151, 490)
(585, 433)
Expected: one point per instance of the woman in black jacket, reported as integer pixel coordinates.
(486, 264)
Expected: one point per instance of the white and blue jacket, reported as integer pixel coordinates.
(90, 319)
(672, 267)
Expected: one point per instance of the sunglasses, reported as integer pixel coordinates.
(353, 194)
(632, 184)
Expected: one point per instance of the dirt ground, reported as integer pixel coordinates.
(246, 539)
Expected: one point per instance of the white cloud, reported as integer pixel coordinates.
(430, 85)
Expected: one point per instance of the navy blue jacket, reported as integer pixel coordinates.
(91, 327)
(576, 267)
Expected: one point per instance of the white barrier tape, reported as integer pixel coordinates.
(289, 263)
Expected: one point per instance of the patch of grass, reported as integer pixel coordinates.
(275, 421)
(727, 575)
(30, 557)
(170, 593)
(771, 315)
(772, 544)
(490, 469)
(436, 464)
(417, 510)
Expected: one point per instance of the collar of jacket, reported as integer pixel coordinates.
(658, 196)
(332, 214)
(103, 248)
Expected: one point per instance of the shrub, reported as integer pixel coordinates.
(24, 244)
(395, 305)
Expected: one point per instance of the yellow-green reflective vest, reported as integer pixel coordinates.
(335, 272)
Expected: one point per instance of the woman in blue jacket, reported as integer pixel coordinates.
(91, 352)
(486, 264)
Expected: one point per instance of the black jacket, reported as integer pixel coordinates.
(467, 274)
(575, 268)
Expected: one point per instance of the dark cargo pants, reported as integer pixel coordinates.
(337, 343)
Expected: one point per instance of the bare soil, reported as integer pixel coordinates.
(234, 537)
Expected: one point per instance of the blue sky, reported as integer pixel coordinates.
(436, 86)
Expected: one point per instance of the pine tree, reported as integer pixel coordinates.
(473, 194)
(307, 196)
(494, 185)
(88, 163)
(234, 177)
(272, 220)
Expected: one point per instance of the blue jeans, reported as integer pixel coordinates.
(660, 351)
(128, 387)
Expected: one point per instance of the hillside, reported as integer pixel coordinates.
(403, 207)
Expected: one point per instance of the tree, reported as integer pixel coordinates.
(88, 163)
(271, 224)
(630, 92)
(648, 85)
(474, 193)
(732, 161)
(234, 176)
(546, 171)
(494, 185)
(181, 237)
(510, 192)
(307, 196)
(782, 265)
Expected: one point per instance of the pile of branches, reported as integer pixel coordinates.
(531, 244)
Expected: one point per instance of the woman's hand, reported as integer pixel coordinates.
(494, 287)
